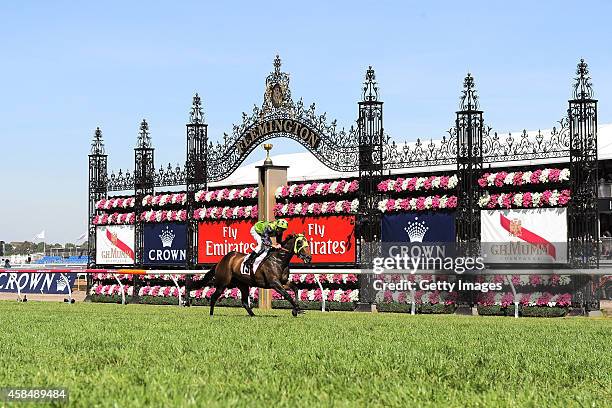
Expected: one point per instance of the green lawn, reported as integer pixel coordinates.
(162, 356)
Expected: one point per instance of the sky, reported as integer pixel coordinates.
(68, 67)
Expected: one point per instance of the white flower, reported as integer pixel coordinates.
(324, 207)
(554, 197)
(482, 201)
(527, 177)
(500, 199)
(428, 201)
(284, 209)
(298, 208)
(491, 179)
(419, 183)
(338, 207)
(354, 205)
(535, 198)
(292, 189)
(405, 184)
(453, 181)
(311, 295)
(337, 295)
(319, 188)
(564, 280)
(443, 201)
(305, 188)
(235, 212)
(544, 175)
(354, 296)
(310, 208)
(413, 202)
(518, 199)
(509, 178)
(334, 187)
(564, 175)
(396, 205)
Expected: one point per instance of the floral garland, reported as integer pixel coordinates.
(313, 295)
(250, 211)
(528, 280)
(163, 215)
(421, 297)
(317, 189)
(527, 200)
(114, 218)
(226, 194)
(418, 183)
(310, 278)
(109, 203)
(109, 290)
(525, 299)
(104, 276)
(164, 199)
(518, 178)
(330, 207)
(418, 203)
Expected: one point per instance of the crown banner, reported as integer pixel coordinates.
(40, 283)
(416, 227)
(524, 236)
(331, 238)
(115, 245)
(165, 243)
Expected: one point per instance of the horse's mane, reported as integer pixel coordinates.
(288, 237)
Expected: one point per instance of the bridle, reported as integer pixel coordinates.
(303, 243)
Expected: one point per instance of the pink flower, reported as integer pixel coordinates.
(383, 185)
(346, 206)
(337, 278)
(354, 186)
(351, 278)
(323, 278)
(388, 297)
(346, 296)
(291, 209)
(564, 197)
(277, 209)
(544, 299)
(518, 178)
(340, 188)
(412, 184)
(427, 183)
(506, 200)
(420, 203)
(525, 298)
(331, 206)
(404, 203)
(401, 298)
(535, 280)
(304, 209)
(227, 212)
(444, 182)
(527, 199)
(546, 196)
(535, 176)
(507, 299)
(434, 297)
(553, 175)
(554, 279)
(210, 292)
(310, 278)
(234, 293)
(316, 208)
(398, 184)
(311, 190)
(330, 295)
(241, 212)
(564, 299)
(304, 295)
(482, 182)
(318, 295)
(276, 295)
(325, 189)
(451, 202)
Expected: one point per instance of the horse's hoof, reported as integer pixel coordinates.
(296, 312)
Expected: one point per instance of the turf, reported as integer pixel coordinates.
(162, 356)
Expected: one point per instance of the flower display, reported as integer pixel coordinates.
(309, 278)
(164, 199)
(552, 198)
(329, 207)
(421, 297)
(163, 215)
(528, 280)
(418, 203)
(418, 183)
(316, 295)
(519, 178)
(338, 187)
(110, 290)
(114, 218)
(525, 299)
(226, 194)
(110, 203)
(249, 211)
(104, 276)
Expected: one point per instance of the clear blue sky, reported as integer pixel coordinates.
(68, 67)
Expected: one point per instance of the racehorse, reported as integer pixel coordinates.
(272, 273)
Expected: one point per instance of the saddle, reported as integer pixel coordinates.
(256, 263)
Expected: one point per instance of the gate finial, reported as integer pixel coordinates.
(583, 89)
(144, 137)
(196, 116)
(97, 144)
(469, 99)
(277, 64)
(370, 88)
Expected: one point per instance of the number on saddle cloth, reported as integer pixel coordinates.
(256, 263)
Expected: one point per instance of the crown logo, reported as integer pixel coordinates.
(167, 237)
(416, 230)
(60, 284)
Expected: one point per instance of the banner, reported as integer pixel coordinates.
(46, 283)
(524, 236)
(165, 244)
(332, 239)
(418, 227)
(217, 238)
(115, 245)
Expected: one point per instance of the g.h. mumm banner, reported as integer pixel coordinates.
(165, 244)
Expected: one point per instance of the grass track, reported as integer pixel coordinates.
(136, 355)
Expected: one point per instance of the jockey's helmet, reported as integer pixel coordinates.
(282, 223)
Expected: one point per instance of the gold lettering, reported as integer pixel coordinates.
(287, 126)
(314, 140)
(304, 132)
(278, 125)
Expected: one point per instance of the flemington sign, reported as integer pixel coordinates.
(275, 126)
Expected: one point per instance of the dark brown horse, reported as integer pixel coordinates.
(272, 273)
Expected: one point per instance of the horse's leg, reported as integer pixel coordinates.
(276, 285)
(294, 288)
(244, 298)
(213, 299)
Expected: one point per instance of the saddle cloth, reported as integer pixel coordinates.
(256, 264)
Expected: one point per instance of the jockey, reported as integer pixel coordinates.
(262, 232)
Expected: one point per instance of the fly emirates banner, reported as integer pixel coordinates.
(332, 239)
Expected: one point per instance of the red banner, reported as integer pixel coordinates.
(217, 238)
(332, 238)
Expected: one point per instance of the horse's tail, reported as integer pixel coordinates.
(209, 275)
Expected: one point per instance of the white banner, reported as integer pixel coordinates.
(536, 235)
(115, 245)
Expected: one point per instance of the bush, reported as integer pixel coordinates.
(526, 311)
(427, 308)
(329, 306)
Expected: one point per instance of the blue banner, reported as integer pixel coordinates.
(165, 244)
(416, 227)
(45, 283)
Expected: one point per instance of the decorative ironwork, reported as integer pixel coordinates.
(338, 149)
(370, 88)
(469, 98)
(97, 189)
(144, 182)
(196, 116)
(583, 89)
(144, 137)
(122, 181)
(170, 176)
